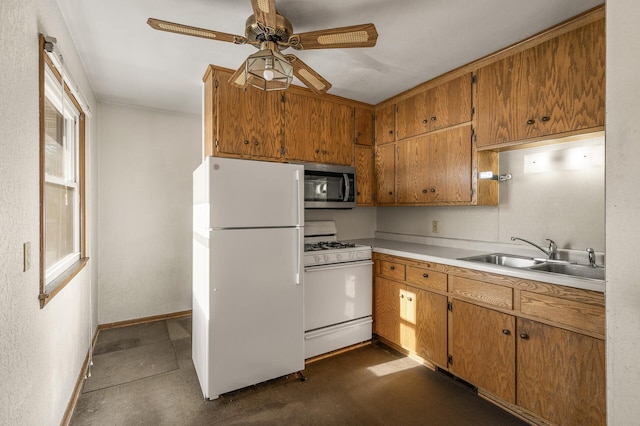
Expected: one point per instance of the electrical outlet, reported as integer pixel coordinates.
(434, 227)
(27, 256)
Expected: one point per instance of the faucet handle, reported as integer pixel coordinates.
(592, 257)
(553, 249)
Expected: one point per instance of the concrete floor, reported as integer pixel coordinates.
(144, 375)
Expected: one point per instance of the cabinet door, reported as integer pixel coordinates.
(501, 105)
(301, 125)
(337, 133)
(431, 326)
(412, 170)
(364, 175)
(386, 124)
(412, 116)
(482, 348)
(387, 306)
(385, 174)
(250, 123)
(364, 126)
(561, 374)
(448, 104)
(568, 76)
(449, 165)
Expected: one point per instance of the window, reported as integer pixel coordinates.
(62, 248)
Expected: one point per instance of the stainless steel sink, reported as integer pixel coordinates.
(502, 259)
(574, 270)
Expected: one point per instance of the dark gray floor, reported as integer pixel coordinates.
(143, 375)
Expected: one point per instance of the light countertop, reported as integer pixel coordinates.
(450, 256)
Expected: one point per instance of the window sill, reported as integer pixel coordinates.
(61, 281)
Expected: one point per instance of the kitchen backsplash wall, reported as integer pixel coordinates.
(556, 192)
(359, 222)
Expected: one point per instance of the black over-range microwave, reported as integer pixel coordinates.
(328, 186)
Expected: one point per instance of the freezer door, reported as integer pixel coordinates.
(248, 194)
(255, 311)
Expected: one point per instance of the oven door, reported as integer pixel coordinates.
(337, 293)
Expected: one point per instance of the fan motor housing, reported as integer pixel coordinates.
(257, 33)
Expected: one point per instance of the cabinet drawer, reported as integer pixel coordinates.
(393, 270)
(427, 278)
(490, 294)
(582, 316)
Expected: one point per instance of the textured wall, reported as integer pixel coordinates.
(623, 212)
(564, 205)
(147, 158)
(41, 351)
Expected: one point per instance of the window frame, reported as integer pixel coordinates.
(48, 289)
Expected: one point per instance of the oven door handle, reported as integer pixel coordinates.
(337, 266)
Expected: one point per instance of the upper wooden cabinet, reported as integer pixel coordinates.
(442, 106)
(317, 130)
(242, 123)
(365, 178)
(385, 168)
(435, 168)
(364, 126)
(385, 127)
(555, 88)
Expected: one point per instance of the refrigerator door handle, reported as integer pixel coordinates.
(347, 187)
(298, 203)
(298, 256)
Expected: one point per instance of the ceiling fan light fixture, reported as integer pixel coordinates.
(268, 69)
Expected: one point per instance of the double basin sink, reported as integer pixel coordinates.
(540, 265)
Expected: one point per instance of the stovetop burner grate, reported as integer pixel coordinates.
(328, 245)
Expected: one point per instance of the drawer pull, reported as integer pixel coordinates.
(409, 299)
(524, 336)
(393, 268)
(506, 332)
(425, 275)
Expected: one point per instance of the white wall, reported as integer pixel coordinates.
(359, 222)
(623, 212)
(564, 205)
(41, 350)
(145, 225)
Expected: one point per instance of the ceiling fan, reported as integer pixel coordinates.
(270, 32)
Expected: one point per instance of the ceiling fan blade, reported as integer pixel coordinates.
(172, 27)
(364, 35)
(308, 76)
(265, 13)
(239, 78)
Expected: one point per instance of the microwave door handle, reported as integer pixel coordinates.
(347, 187)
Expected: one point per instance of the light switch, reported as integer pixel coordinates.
(27, 256)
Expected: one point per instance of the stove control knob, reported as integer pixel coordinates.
(326, 258)
(351, 255)
(317, 259)
(339, 256)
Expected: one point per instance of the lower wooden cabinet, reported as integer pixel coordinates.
(546, 364)
(561, 374)
(482, 348)
(412, 318)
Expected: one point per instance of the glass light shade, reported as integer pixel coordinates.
(268, 69)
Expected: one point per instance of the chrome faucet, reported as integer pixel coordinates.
(552, 252)
(592, 257)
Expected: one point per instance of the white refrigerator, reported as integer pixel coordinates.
(248, 219)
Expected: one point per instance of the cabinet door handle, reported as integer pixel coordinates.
(425, 121)
(390, 132)
(409, 299)
(246, 142)
(432, 190)
(433, 118)
(390, 193)
(393, 268)
(424, 191)
(317, 151)
(256, 143)
(425, 275)
(531, 121)
(546, 118)
(357, 192)
(402, 296)
(506, 332)
(324, 151)
(524, 336)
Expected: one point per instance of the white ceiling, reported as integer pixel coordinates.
(130, 63)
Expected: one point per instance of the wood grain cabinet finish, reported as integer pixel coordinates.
(442, 106)
(561, 374)
(385, 168)
(364, 126)
(317, 130)
(482, 348)
(242, 132)
(552, 89)
(435, 168)
(386, 309)
(385, 127)
(365, 178)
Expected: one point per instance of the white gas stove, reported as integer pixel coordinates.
(337, 290)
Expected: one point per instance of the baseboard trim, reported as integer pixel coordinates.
(71, 405)
(144, 320)
(66, 419)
